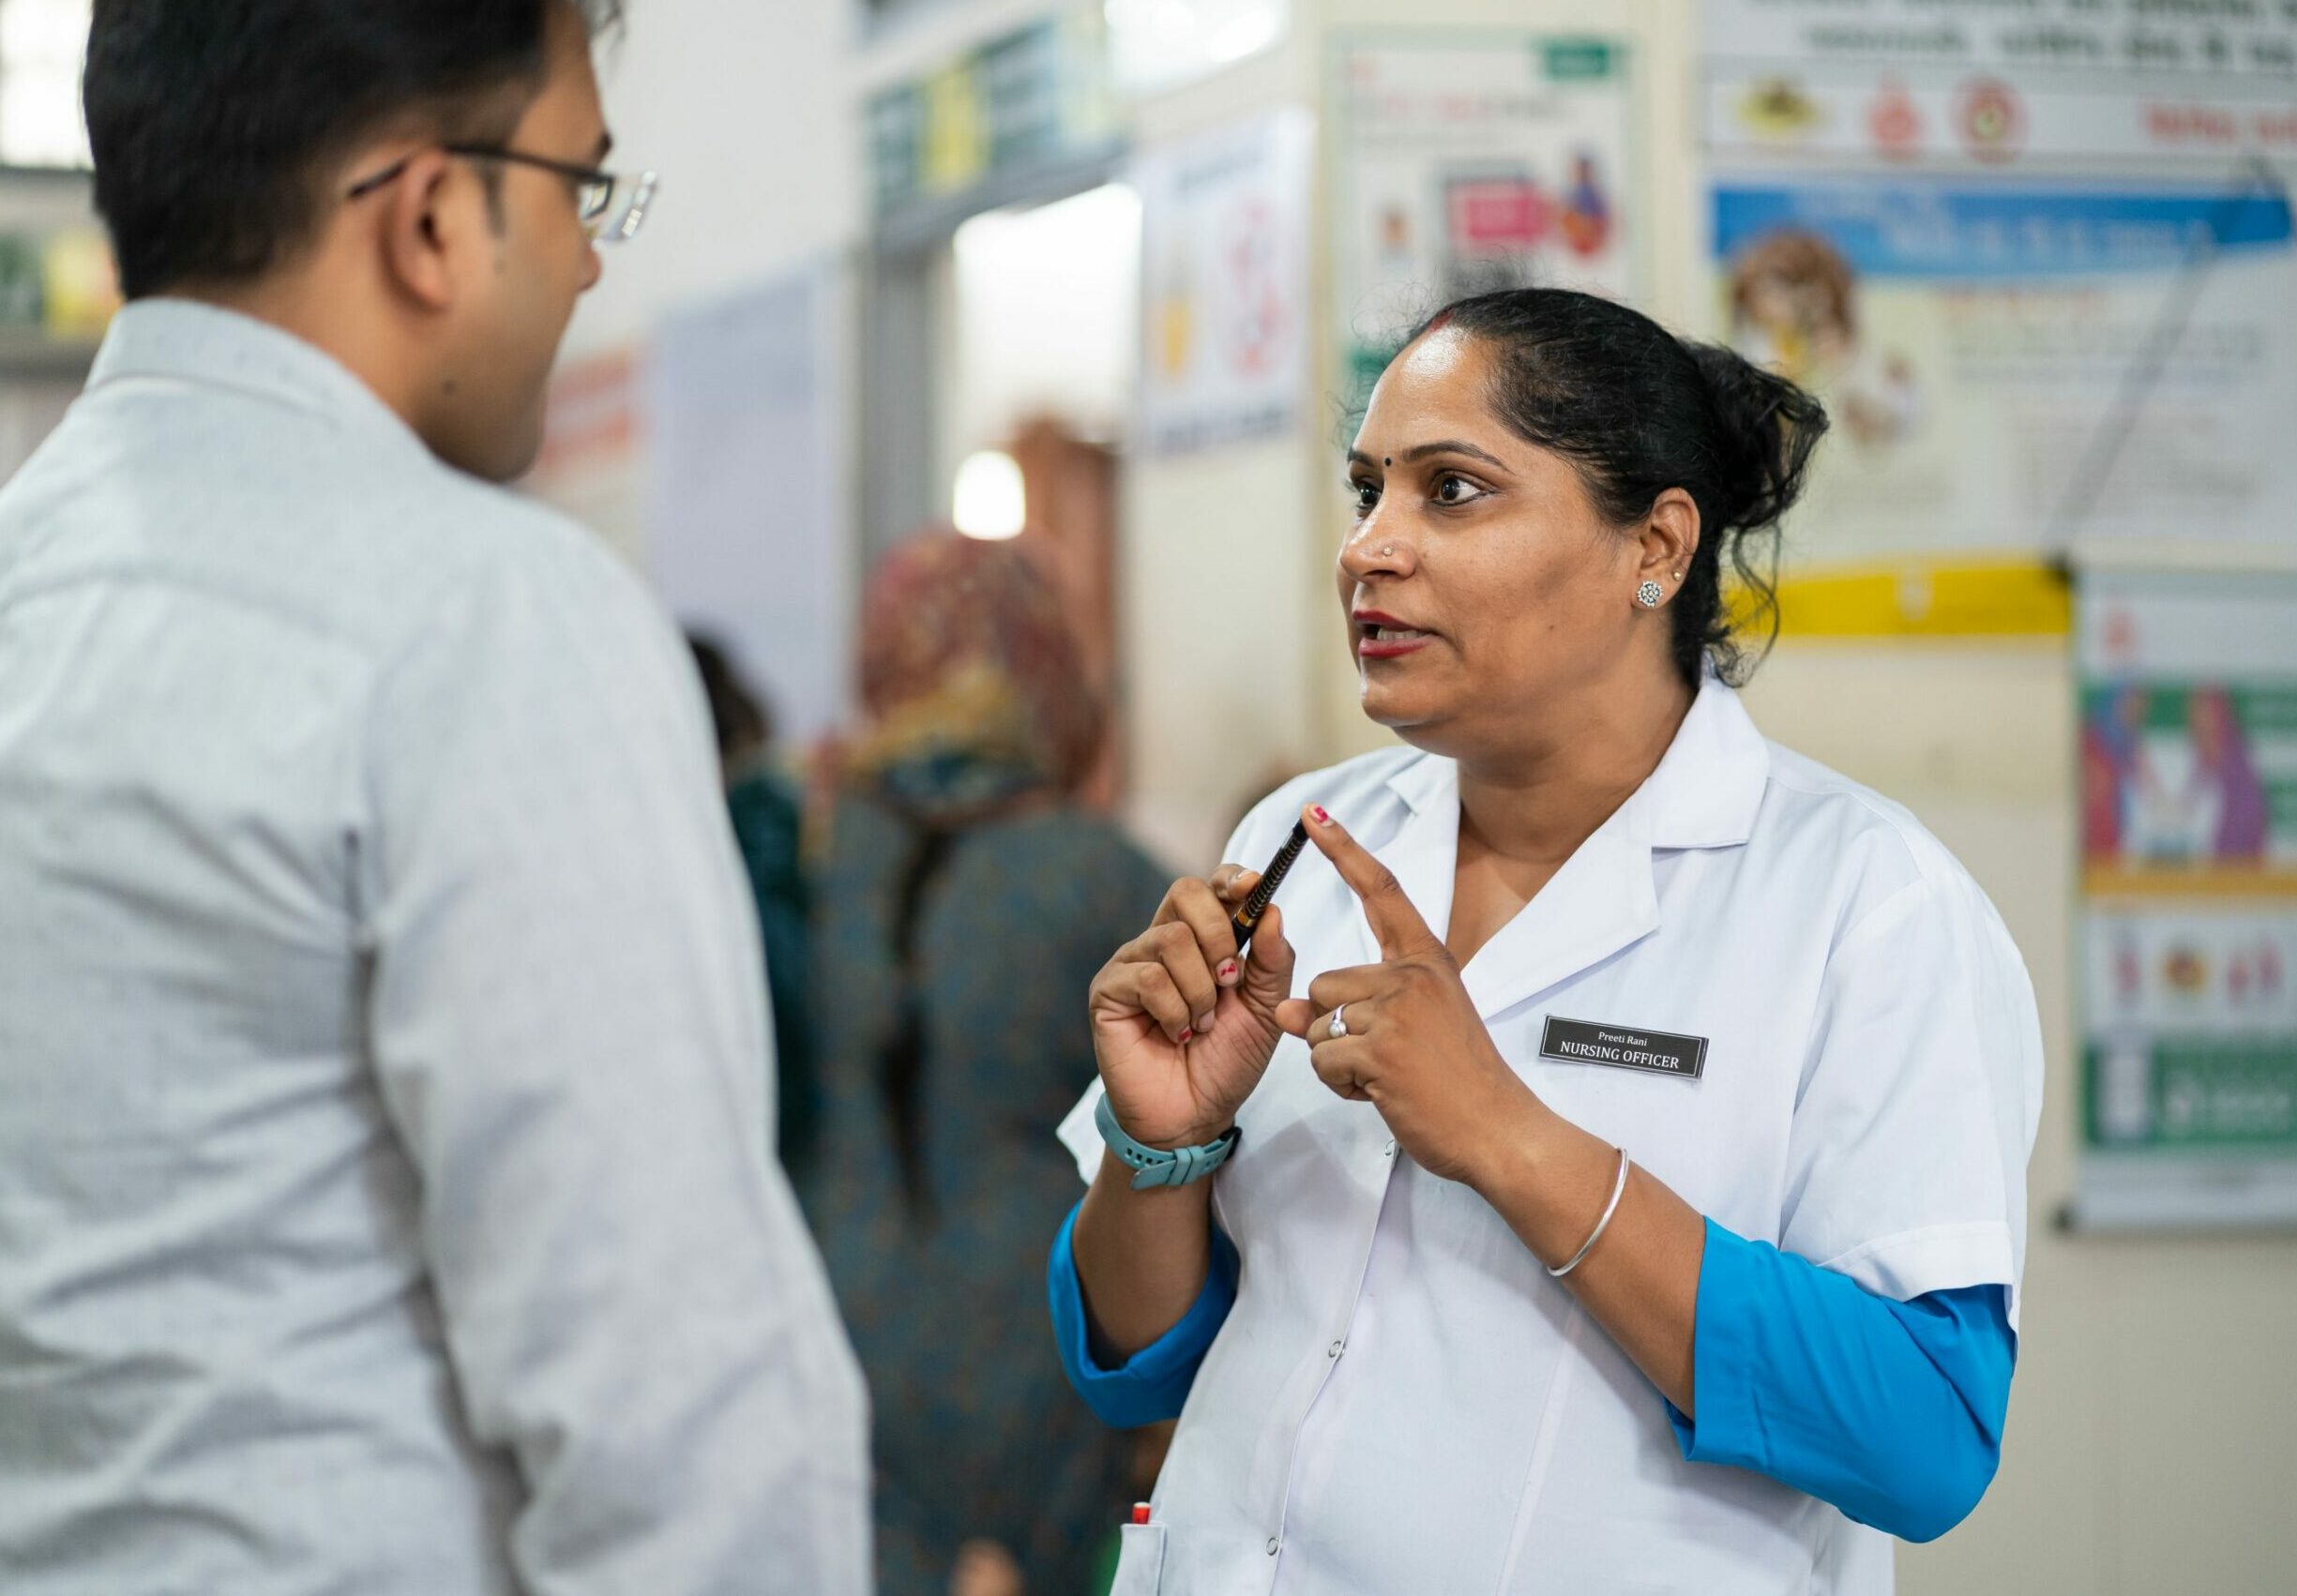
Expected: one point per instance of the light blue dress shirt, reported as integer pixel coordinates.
(385, 1083)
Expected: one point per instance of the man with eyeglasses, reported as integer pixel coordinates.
(384, 1196)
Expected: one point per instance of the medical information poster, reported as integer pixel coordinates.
(1224, 228)
(2000, 82)
(1467, 162)
(2188, 920)
(2023, 365)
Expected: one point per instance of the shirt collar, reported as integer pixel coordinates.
(1703, 795)
(184, 340)
(1710, 784)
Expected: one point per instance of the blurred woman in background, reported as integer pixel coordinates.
(961, 903)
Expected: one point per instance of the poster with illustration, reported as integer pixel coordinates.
(2017, 366)
(1224, 233)
(1473, 161)
(2189, 779)
(2000, 83)
(2188, 944)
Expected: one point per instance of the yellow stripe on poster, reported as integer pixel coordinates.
(2217, 882)
(1928, 598)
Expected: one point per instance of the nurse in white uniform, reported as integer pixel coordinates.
(1605, 1170)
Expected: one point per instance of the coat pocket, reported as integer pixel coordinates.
(1141, 1560)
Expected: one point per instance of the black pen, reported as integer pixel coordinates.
(1248, 919)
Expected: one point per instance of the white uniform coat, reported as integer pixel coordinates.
(1401, 1402)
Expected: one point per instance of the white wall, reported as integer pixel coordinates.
(744, 111)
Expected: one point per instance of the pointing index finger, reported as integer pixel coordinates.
(1394, 920)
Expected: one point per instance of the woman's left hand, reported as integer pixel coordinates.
(1414, 1047)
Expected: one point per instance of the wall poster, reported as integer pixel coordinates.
(1473, 162)
(1225, 282)
(2188, 929)
(2024, 365)
(750, 538)
(1995, 83)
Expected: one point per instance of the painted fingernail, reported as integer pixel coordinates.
(1188, 1035)
(1321, 816)
(1226, 974)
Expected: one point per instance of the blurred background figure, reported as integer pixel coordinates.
(2227, 791)
(767, 824)
(966, 901)
(2118, 782)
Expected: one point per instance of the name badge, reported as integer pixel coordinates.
(1576, 1042)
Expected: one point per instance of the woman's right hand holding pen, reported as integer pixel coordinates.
(1183, 1027)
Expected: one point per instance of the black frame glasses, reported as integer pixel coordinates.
(612, 207)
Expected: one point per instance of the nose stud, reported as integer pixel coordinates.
(1648, 595)
(1389, 552)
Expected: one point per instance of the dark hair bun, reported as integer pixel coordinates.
(1765, 429)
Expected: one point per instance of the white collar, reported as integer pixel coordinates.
(1704, 794)
(203, 345)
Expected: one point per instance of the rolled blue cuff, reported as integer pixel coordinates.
(1891, 1411)
(1152, 1384)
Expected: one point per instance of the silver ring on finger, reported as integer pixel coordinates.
(1339, 1021)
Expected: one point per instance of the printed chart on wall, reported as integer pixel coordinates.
(1476, 162)
(749, 537)
(1225, 265)
(1999, 83)
(2189, 933)
(1988, 352)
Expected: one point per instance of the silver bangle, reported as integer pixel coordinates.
(1619, 1189)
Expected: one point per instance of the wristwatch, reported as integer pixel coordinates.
(1156, 1166)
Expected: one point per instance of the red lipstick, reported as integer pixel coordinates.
(1383, 636)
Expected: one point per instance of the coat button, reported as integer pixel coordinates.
(1389, 1150)
(1333, 1351)
(1273, 1544)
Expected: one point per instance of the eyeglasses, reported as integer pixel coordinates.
(612, 207)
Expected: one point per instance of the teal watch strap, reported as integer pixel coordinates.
(1154, 1165)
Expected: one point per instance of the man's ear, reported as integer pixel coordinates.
(421, 230)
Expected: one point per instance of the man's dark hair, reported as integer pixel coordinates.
(213, 121)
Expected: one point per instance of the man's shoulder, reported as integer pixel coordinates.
(492, 575)
(422, 552)
(366, 546)
(471, 534)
